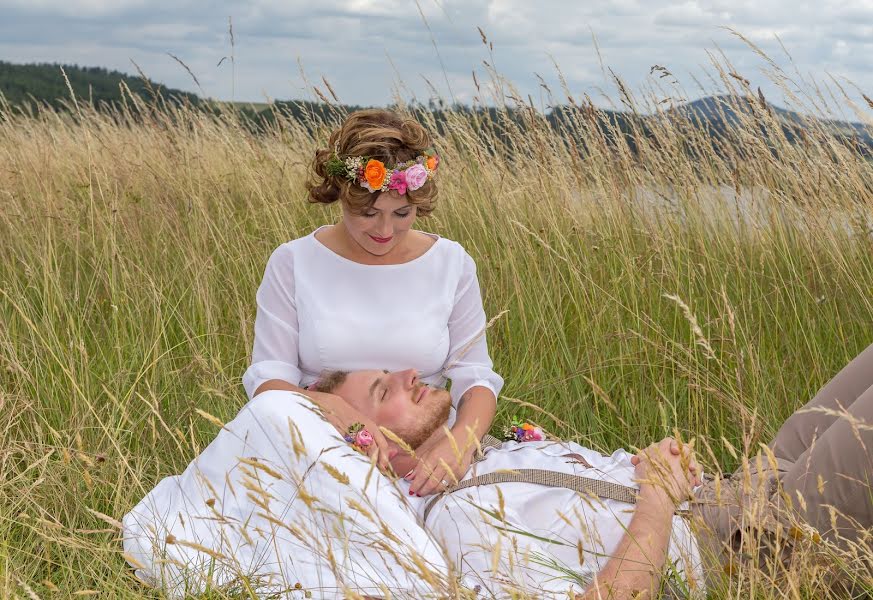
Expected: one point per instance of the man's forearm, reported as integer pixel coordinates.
(639, 558)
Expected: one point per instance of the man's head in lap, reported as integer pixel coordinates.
(395, 400)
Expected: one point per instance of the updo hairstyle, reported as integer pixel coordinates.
(374, 133)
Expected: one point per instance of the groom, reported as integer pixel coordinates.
(815, 480)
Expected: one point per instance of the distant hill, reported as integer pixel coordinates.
(719, 112)
(44, 82)
(21, 84)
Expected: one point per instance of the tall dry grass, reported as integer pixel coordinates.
(690, 283)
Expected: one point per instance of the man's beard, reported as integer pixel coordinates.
(437, 416)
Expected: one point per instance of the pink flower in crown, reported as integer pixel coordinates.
(363, 438)
(398, 182)
(416, 175)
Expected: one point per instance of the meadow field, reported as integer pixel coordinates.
(686, 284)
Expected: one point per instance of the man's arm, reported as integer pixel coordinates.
(641, 553)
(666, 474)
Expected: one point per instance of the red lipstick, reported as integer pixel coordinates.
(379, 240)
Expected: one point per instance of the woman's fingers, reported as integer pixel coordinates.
(420, 477)
(427, 479)
(378, 450)
(433, 483)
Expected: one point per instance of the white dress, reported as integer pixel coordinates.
(319, 311)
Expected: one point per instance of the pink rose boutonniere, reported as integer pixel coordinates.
(363, 439)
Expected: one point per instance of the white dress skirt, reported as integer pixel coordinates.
(279, 504)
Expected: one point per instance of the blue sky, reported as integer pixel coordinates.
(371, 50)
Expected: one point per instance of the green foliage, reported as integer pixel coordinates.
(45, 83)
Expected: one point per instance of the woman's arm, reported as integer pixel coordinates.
(476, 411)
(275, 350)
(340, 414)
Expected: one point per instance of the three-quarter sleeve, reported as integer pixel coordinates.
(275, 352)
(468, 364)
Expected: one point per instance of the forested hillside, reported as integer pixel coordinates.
(45, 83)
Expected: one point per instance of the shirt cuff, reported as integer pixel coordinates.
(265, 370)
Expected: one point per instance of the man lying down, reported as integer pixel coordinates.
(279, 503)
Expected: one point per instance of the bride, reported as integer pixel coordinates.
(372, 292)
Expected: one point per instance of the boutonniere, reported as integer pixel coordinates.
(519, 431)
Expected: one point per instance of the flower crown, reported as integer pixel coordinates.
(373, 175)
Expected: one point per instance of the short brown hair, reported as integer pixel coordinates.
(376, 133)
(329, 381)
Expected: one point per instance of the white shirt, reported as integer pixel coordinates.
(544, 526)
(320, 311)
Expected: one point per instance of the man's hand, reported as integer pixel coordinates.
(440, 463)
(668, 469)
(343, 415)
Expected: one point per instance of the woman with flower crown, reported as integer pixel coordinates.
(371, 292)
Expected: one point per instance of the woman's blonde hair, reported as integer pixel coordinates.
(375, 133)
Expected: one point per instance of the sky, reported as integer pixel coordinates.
(374, 51)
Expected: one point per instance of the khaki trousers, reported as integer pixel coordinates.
(818, 472)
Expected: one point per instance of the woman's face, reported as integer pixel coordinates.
(380, 228)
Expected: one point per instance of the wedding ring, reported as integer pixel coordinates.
(444, 482)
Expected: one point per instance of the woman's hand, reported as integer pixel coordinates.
(343, 415)
(438, 466)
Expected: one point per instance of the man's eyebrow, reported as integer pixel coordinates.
(376, 383)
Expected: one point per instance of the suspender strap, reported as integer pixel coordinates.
(488, 441)
(584, 485)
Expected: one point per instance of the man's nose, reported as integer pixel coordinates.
(409, 377)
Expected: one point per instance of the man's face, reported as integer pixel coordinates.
(397, 401)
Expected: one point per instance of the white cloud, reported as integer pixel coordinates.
(361, 46)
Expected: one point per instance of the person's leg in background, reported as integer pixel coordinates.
(797, 432)
(830, 485)
(731, 512)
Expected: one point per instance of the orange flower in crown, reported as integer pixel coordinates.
(374, 173)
